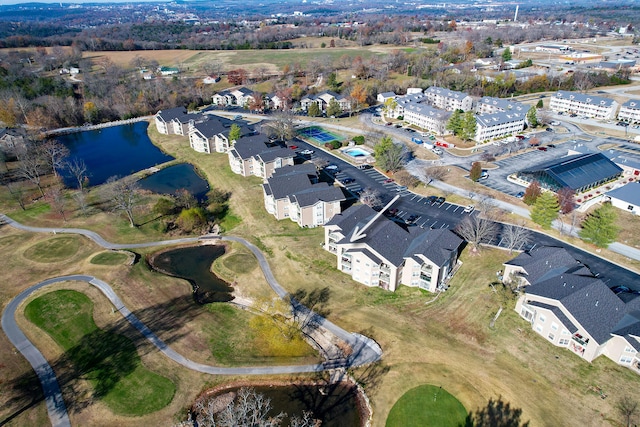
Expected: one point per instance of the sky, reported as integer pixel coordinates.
(12, 2)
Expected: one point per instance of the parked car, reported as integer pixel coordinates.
(431, 199)
(469, 209)
(364, 167)
(411, 219)
(307, 152)
(542, 148)
(437, 151)
(551, 145)
(293, 147)
(347, 180)
(520, 194)
(549, 130)
(400, 188)
(388, 180)
(388, 124)
(439, 201)
(392, 211)
(484, 175)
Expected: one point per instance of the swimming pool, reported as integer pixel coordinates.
(356, 152)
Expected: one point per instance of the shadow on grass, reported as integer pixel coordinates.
(497, 413)
(103, 357)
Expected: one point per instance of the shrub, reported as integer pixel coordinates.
(336, 144)
(358, 140)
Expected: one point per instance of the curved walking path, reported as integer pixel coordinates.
(364, 349)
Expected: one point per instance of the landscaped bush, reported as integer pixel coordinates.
(336, 144)
(328, 145)
(358, 140)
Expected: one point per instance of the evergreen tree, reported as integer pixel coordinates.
(476, 171)
(468, 128)
(314, 110)
(235, 132)
(599, 228)
(389, 156)
(506, 54)
(532, 193)
(532, 117)
(455, 122)
(333, 109)
(332, 82)
(540, 104)
(545, 210)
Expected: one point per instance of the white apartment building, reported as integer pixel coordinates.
(449, 100)
(630, 111)
(584, 104)
(498, 125)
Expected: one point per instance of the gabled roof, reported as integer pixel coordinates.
(171, 113)
(546, 261)
(584, 98)
(392, 241)
(500, 118)
(629, 193)
(558, 313)
(447, 93)
(317, 192)
(594, 306)
(436, 245)
(633, 104)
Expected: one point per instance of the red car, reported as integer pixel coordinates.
(542, 148)
(388, 180)
(293, 147)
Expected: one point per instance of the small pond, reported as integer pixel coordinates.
(193, 263)
(336, 405)
(173, 178)
(117, 150)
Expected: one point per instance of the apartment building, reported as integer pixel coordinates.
(584, 105)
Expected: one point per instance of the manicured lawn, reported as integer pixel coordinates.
(53, 250)
(427, 406)
(109, 258)
(109, 361)
(240, 262)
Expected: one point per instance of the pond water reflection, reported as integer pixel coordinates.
(173, 178)
(117, 150)
(193, 263)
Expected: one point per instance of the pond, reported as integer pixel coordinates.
(173, 178)
(193, 263)
(117, 150)
(336, 405)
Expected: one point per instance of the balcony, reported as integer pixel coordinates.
(346, 261)
(333, 236)
(385, 268)
(580, 339)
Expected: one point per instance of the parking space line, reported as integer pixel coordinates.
(434, 223)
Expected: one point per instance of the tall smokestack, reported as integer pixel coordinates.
(515, 17)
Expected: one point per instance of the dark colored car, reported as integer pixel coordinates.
(542, 148)
(411, 219)
(549, 130)
(520, 194)
(347, 180)
(393, 211)
(431, 199)
(439, 201)
(551, 145)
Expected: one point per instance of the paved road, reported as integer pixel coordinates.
(365, 350)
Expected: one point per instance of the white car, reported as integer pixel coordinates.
(437, 151)
(469, 209)
(307, 152)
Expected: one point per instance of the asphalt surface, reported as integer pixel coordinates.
(365, 350)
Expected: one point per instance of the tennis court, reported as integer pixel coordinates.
(318, 135)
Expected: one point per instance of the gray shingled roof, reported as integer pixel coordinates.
(584, 98)
(629, 193)
(318, 192)
(594, 306)
(256, 145)
(436, 245)
(499, 118)
(171, 113)
(632, 104)
(544, 262)
(392, 241)
(447, 93)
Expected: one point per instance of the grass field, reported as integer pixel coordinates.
(107, 360)
(427, 406)
(109, 258)
(54, 249)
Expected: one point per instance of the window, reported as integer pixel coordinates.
(526, 314)
(565, 332)
(552, 337)
(563, 341)
(626, 360)
(628, 349)
(539, 328)
(541, 318)
(554, 326)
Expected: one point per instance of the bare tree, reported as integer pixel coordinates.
(55, 197)
(514, 236)
(438, 173)
(282, 126)
(17, 193)
(78, 169)
(31, 165)
(628, 408)
(476, 230)
(124, 195)
(371, 198)
(53, 153)
(245, 407)
(81, 199)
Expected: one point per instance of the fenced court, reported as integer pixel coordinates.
(318, 135)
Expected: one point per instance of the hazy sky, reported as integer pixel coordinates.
(8, 2)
